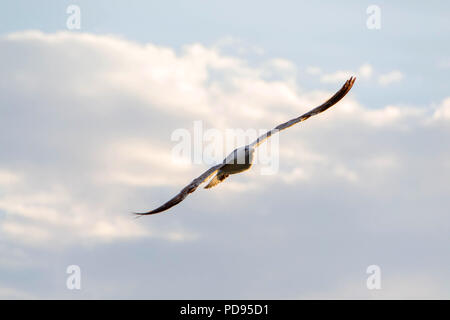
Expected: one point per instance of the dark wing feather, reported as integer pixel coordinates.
(191, 187)
(329, 103)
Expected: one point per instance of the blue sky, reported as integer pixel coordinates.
(85, 126)
(295, 30)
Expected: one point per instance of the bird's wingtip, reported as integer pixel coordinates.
(349, 83)
(141, 214)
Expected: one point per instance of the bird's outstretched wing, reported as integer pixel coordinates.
(184, 193)
(324, 106)
(197, 181)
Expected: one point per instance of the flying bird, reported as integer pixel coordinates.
(241, 158)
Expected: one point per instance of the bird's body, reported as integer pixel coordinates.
(241, 158)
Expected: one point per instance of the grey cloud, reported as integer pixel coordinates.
(374, 189)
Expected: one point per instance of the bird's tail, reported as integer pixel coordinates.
(218, 178)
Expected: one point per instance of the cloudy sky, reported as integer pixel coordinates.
(87, 116)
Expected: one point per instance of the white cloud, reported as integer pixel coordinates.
(295, 175)
(383, 162)
(393, 115)
(312, 70)
(282, 64)
(444, 64)
(442, 113)
(336, 77)
(347, 174)
(96, 115)
(364, 72)
(8, 178)
(238, 45)
(100, 145)
(390, 77)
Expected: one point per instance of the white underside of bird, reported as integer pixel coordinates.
(239, 160)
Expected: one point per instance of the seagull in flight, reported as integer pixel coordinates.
(241, 158)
